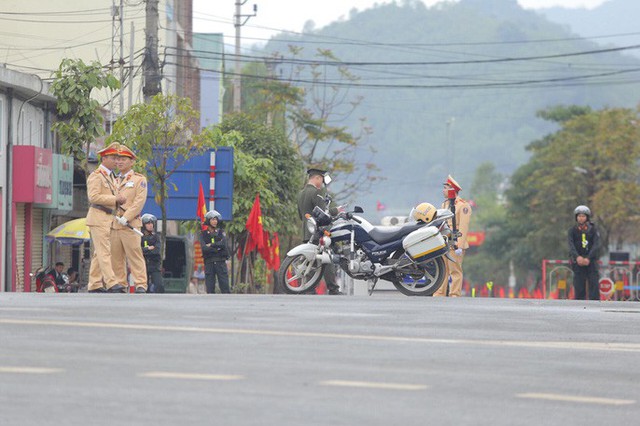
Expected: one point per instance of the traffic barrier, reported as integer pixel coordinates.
(557, 280)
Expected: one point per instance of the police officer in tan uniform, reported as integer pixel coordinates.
(463, 217)
(125, 241)
(103, 197)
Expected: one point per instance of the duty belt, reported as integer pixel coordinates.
(103, 208)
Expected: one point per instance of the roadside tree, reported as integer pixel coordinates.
(593, 159)
(80, 119)
(164, 135)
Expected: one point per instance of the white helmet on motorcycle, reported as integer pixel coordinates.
(423, 212)
(582, 210)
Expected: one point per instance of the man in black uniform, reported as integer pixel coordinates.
(310, 197)
(215, 253)
(584, 243)
(152, 252)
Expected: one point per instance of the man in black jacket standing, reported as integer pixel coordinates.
(215, 253)
(152, 252)
(584, 243)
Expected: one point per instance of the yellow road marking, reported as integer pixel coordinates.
(373, 385)
(189, 376)
(568, 345)
(575, 398)
(30, 370)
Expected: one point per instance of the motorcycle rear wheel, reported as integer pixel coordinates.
(432, 275)
(298, 275)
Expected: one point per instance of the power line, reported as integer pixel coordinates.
(57, 12)
(508, 84)
(299, 61)
(49, 21)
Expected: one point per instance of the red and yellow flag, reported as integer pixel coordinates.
(275, 252)
(254, 227)
(201, 211)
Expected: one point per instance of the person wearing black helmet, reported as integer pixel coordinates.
(584, 243)
(215, 253)
(152, 251)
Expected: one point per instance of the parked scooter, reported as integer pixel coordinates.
(46, 282)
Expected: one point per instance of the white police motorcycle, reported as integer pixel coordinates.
(410, 256)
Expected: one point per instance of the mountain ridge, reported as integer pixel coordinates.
(468, 99)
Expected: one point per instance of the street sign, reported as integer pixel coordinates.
(606, 286)
(217, 183)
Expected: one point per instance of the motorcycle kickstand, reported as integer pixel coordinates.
(375, 281)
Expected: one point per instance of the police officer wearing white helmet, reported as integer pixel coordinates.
(584, 244)
(215, 253)
(152, 251)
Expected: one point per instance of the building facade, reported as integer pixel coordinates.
(39, 188)
(38, 34)
(29, 190)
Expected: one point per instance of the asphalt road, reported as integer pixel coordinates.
(92, 359)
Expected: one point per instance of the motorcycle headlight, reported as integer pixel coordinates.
(311, 225)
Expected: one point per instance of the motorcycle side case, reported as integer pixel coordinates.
(424, 244)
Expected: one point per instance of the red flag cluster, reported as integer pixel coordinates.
(258, 239)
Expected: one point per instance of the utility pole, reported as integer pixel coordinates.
(116, 52)
(131, 72)
(237, 101)
(451, 145)
(121, 58)
(151, 62)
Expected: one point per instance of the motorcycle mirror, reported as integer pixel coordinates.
(327, 179)
(451, 193)
(358, 209)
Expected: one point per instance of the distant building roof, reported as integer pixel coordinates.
(27, 85)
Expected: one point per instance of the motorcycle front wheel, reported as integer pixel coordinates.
(425, 281)
(298, 275)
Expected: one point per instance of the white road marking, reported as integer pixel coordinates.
(30, 370)
(19, 309)
(373, 385)
(568, 345)
(576, 398)
(189, 376)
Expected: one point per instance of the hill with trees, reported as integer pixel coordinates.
(614, 22)
(447, 88)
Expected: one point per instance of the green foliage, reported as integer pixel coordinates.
(267, 164)
(162, 135)
(319, 129)
(593, 159)
(494, 103)
(314, 114)
(480, 265)
(266, 98)
(562, 114)
(80, 119)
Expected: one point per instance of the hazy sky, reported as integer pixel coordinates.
(278, 15)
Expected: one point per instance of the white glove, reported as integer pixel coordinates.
(458, 252)
(122, 220)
